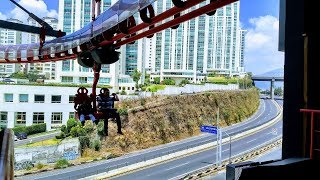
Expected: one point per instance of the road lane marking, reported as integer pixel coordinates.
(177, 166)
(225, 150)
(251, 141)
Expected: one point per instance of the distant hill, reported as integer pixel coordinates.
(273, 73)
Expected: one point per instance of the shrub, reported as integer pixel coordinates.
(142, 101)
(123, 92)
(64, 129)
(33, 129)
(84, 142)
(39, 166)
(88, 127)
(81, 131)
(61, 163)
(123, 111)
(184, 82)
(156, 80)
(74, 131)
(96, 145)
(19, 129)
(169, 82)
(61, 136)
(36, 128)
(70, 124)
(100, 128)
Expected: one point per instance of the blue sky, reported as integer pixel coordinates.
(258, 17)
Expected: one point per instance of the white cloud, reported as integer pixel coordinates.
(261, 52)
(2, 16)
(52, 13)
(37, 7)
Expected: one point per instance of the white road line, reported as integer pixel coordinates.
(251, 141)
(177, 166)
(225, 150)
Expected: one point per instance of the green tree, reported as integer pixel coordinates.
(212, 74)
(246, 82)
(33, 76)
(147, 79)
(278, 91)
(169, 82)
(19, 75)
(184, 82)
(136, 75)
(156, 80)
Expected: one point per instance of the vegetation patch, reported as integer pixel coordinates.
(155, 87)
(164, 119)
(48, 142)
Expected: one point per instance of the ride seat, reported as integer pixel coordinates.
(81, 97)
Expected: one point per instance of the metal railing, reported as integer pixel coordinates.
(312, 112)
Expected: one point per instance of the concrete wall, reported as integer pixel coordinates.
(68, 149)
(191, 88)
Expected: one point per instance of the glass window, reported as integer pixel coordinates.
(3, 119)
(83, 79)
(55, 99)
(71, 98)
(38, 117)
(71, 115)
(39, 98)
(20, 118)
(8, 97)
(23, 97)
(66, 79)
(56, 118)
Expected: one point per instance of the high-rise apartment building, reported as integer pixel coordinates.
(47, 69)
(200, 46)
(73, 15)
(10, 37)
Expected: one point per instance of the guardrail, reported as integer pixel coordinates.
(6, 154)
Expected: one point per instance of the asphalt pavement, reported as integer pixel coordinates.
(267, 111)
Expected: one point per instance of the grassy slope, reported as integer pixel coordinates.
(171, 118)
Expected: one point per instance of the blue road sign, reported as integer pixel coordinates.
(209, 129)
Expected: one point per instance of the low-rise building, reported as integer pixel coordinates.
(24, 105)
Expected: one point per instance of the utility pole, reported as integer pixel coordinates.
(219, 142)
(229, 146)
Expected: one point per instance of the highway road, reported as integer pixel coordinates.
(267, 111)
(182, 166)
